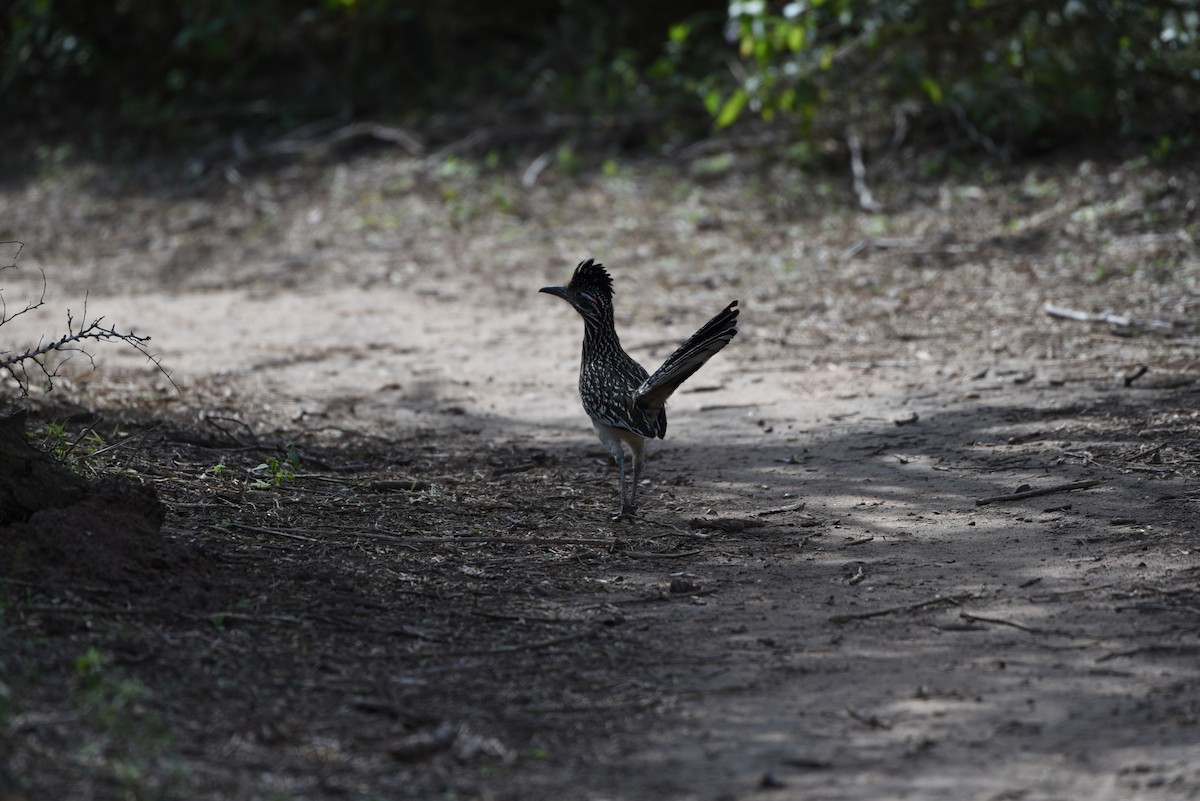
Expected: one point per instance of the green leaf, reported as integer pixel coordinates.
(712, 102)
(827, 58)
(932, 89)
(679, 32)
(795, 38)
(732, 108)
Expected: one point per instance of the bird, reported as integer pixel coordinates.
(627, 404)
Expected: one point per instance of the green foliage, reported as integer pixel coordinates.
(55, 439)
(1029, 72)
(1026, 71)
(118, 735)
(277, 472)
(187, 69)
(52, 437)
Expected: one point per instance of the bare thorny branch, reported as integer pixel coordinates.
(43, 362)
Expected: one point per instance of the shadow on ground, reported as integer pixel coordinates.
(825, 613)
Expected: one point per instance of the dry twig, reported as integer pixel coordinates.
(326, 536)
(953, 600)
(1002, 622)
(874, 721)
(1116, 320)
(1034, 493)
(866, 201)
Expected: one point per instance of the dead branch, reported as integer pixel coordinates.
(1115, 320)
(654, 555)
(530, 176)
(726, 524)
(1050, 596)
(1034, 493)
(1157, 648)
(297, 143)
(1134, 375)
(424, 744)
(35, 364)
(335, 535)
(866, 201)
(1188, 610)
(873, 721)
(530, 646)
(975, 135)
(29, 306)
(1002, 622)
(778, 510)
(916, 246)
(943, 600)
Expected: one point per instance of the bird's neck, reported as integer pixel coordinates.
(599, 337)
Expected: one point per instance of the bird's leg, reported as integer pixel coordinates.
(618, 455)
(638, 450)
(627, 507)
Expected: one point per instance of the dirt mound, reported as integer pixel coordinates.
(58, 529)
(111, 535)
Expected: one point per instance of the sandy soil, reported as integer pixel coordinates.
(813, 602)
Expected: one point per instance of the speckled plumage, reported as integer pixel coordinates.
(627, 405)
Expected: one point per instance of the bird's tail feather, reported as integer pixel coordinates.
(688, 358)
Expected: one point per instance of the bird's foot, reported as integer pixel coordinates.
(627, 510)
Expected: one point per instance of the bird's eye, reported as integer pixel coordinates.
(586, 298)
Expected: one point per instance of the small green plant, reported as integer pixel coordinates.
(89, 666)
(52, 437)
(1161, 150)
(119, 735)
(567, 160)
(536, 752)
(275, 471)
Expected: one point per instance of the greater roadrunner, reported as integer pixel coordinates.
(627, 404)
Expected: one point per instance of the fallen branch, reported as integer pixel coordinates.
(296, 144)
(874, 721)
(778, 510)
(1002, 622)
(1034, 493)
(729, 525)
(326, 535)
(511, 649)
(866, 201)
(1050, 596)
(529, 178)
(1163, 648)
(1116, 320)
(653, 555)
(1190, 610)
(953, 600)
(1134, 375)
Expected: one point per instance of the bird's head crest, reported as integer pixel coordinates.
(592, 278)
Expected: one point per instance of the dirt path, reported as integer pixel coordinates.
(813, 607)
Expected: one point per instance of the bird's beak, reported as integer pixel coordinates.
(559, 291)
